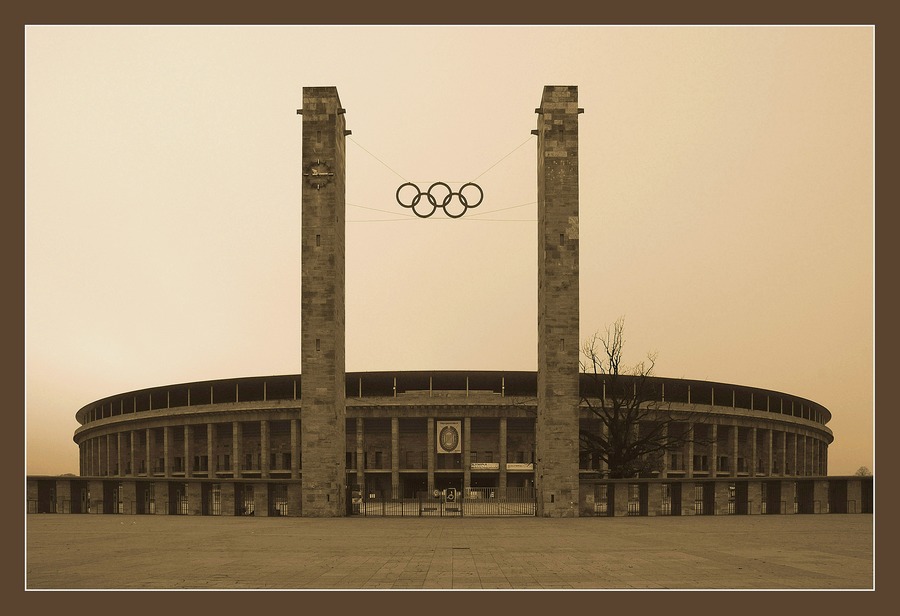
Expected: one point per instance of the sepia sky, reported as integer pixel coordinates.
(726, 205)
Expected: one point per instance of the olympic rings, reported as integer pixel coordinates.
(441, 198)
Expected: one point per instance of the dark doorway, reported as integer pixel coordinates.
(413, 483)
(741, 498)
(46, 496)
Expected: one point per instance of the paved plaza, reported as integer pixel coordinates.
(175, 552)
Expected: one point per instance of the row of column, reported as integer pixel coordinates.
(808, 455)
(106, 455)
(725, 497)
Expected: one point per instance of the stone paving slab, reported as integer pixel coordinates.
(182, 552)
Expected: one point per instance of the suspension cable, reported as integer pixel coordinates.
(409, 217)
(378, 159)
(504, 158)
(507, 155)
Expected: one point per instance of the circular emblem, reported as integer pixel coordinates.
(448, 438)
(318, 174)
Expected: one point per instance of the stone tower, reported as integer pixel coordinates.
(323, 411)
(556, 430)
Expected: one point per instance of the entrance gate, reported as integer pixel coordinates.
(472, 502)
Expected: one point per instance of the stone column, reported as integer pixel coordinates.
(689, 458)
(503, 456)
(149, 446)
(64, 496)
(430, 453)
(161, 496)
(106, 471)
(812, 456)
(776, 452)
(722, 496)
(620, 499)
(261, 500)
(735, 449)
(167, 452)
(794, 470)
(188, 453)
(322, 313)
(120, 456)
(787, 496)
(556, 428)
(602, 465)
(295, 499)
(815, 457)
(211, 450)
(754, 497)
(654, 498)
(132, 459)
(821, 448)
(754, 463)
(687, 498)
(714, 450)
(782, 446)
(227, 497)
(295, 452)
(769, 440)
(129, 497)
(820, 496)
(96, 490)
(664, 469)
(265, 447)
(395, 457)
(807, 469)
(360, 455)
(467, 454)
(237, 448)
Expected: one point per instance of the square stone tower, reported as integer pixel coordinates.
(323, 410)
(556, 430)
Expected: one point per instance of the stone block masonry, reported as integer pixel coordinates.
(323, 409)
(556, 430)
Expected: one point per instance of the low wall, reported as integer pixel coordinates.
(597, 496)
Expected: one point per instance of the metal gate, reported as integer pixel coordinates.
(215, 499)
(471, 502)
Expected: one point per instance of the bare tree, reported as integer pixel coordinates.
(636, 430)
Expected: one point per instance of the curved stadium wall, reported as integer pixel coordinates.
(233, 446)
